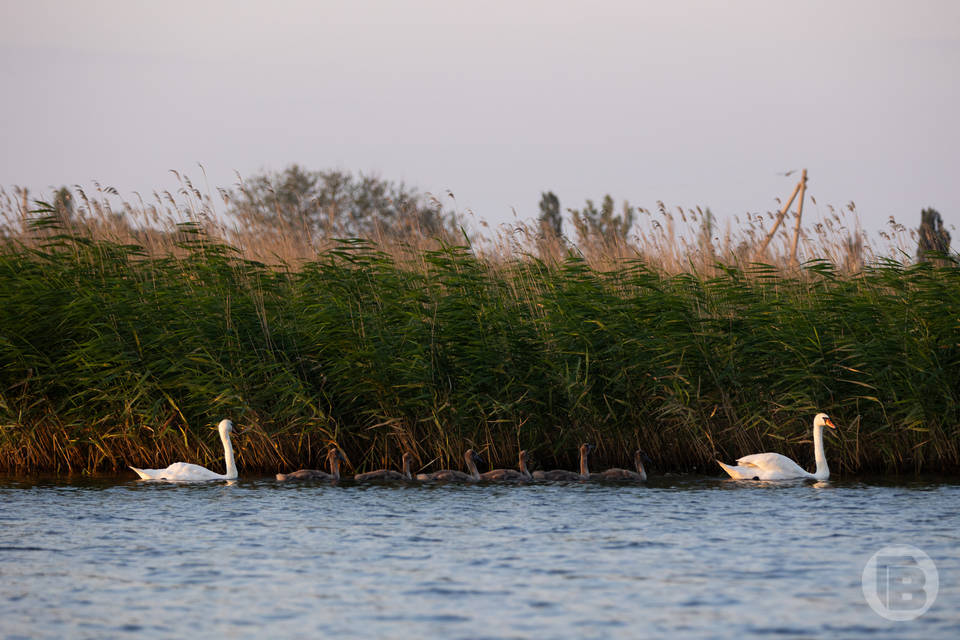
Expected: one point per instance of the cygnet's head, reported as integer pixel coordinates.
(642, 456)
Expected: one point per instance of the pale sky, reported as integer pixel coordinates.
(688, 102)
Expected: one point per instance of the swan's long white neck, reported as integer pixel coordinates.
(823, 471)
(584, 470)
(228, 455)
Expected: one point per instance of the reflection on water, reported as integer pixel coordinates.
(682, 557)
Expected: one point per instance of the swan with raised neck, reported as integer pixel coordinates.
(509, 475)
(451, 475)
(563, 474)
(773, 466)
(334, 458)
(625, 475)
(386, 475)
(188, 472)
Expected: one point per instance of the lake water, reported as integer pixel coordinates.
(684, 557)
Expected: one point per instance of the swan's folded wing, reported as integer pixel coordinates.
(768, 461)
(178, 469)
(187, 471)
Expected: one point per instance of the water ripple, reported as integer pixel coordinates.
(686, 557)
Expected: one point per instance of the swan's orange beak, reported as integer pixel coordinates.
(829, 423)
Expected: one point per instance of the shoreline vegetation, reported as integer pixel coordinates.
(126, 336)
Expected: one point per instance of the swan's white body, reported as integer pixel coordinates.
(773, 466)
(186, 472)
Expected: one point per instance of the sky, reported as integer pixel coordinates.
(691, 103)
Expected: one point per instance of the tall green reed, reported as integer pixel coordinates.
(113, 355)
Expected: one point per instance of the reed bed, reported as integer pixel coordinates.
(127, 345)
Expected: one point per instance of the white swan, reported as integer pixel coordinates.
(186, 472)
(773, 466)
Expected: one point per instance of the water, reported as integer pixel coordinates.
(685, 557)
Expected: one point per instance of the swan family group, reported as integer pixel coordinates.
(759, 466)
(520, 474)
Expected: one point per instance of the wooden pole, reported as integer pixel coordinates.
(796, 229)
(776, 225)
